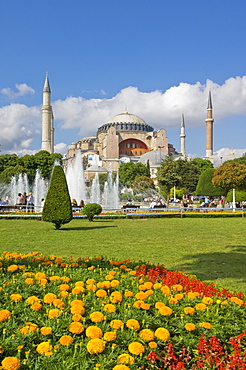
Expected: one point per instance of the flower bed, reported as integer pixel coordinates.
(114, 315)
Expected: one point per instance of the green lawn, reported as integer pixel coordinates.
(212, 249)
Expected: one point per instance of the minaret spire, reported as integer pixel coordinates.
(209, 129)
(47, 119)
(182, 137)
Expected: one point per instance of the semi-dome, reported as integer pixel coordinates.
(126, 122)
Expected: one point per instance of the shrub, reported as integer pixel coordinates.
(92, 209)
(57, 207)
(205, 186)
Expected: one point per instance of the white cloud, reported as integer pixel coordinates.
(225, 154)
(61, 148)
(22, 89)
(19, 126)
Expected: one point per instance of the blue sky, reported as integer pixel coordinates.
(159, 58)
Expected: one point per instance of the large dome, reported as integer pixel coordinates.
(126, 122)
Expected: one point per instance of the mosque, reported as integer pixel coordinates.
(123, 138)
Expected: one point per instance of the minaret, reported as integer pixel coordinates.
(209, 129)
(182, 137)
(47, 119)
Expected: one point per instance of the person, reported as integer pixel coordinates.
(74, 203)
(152, 204)
(30, 202)
(19, 199)
(81, 204)
(2, 202)
(24, 201)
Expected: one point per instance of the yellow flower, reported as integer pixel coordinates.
(58, 303)
(158, 305)
(1, 349)
(165, 290)
(138, 303)
(136, 348)
(65, 340)
(153, 345)
(145, 306)
(16, 297)
(11, 363)
(49, 298)
(32, 299)
(94, 332)
(116, 297)
(201, 307)
(43, 348)
(190, 327)
(114, 283)
(132, 324)
(148, 285)
(141, 295)
(95, 346)
(79, 310)
(157, 286)
(162, 334)
(165, 311)
(205, 325)
(36, 306)
(189, 310)
(125, 358)
(173, 300)
(46, 330)
(13, 268)
(207, 300)
(109, 308)
(79, 283)
(29, 281)
(29, 327)
(192, 295)
(116, 324)
(54, 313)
(101, 293)
(76, 328)
(109, 336)
(90, 281)
(237, 300)
(77, 317)
(97, 316)
(4, 315)
(147, 334)
(121, 367)
(65, 287)
(177, 288)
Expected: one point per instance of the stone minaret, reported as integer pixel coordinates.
(182, 137)
(209, 129)
(47, 119)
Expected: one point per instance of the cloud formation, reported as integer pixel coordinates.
(20, 125)
(22, 89)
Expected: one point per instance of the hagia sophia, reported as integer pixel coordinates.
(123, 138)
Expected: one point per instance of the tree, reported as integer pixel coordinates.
(45, 161)
(91, 209)
(129, 171)
(143, 183)
(9, 172)
(189, 173)
(205, 186)
(57, 207)
(167, 175)
(240, 196)
(203, 164)
(231, 175)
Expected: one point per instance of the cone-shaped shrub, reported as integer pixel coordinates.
(57, 207)
(205, 186)
(92, 209)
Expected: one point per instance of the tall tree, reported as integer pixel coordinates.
(167, 175)
(205, 186)
(231, 175)
(129, 171)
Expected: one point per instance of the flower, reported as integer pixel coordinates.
(36, 306)
(4, 315)
(77, 317)
(29, 281)
(64, 287)
(136, 348)
(32, 299)
(16, 297)
(49, 298)
(13, 268)
(43, 348)
(177, 288)
(76, 328)
(192, 295)
(46, 330)
(132, 324)
(207, 300)
(109, 336)
(121, 367)
(29, 327)
(201, 307)
(53, 313)
(189, 310)
(101, 293)
(116, 324)
(66, 340)
(153, 345)
(165, 311)
(97, 316)
(190, 327)
(205, 325)
(147, 334)
(125, 358)
(94, 332)
(114, 283)
(116, 297)
(162, 334)
(237, 300)
(95, 346)
(79, 310)
(58, 303)
(11, 363)
(109, 308)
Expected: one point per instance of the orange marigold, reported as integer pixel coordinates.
(16, 297)
(201, 307)
(190, 327)
(237, 300)
(147, 334)
(13, 268)
(136, 348)
(95, 346)
(189, 310)
(153, 345)
(77, 317)
(32, 299)
(125, 358)
(76, 302)
(114, 283)
(97, 316)
(116, 297)
(36, 306)
(76, 328)
(58, 303)
(46, 330)
(43, 348)
(11, 363)
(109, 336)
(79, 283)
(49, 298)
(158, 305)
(165, 290)
(165, 311)
(128, 293)
(207, 300)
(94, 332)
(4, 315)
(162, 334)
(78, 290)
(64, 287)
(141, 295)
(66, 340)
(109, 308)
(133, 324)
(29, 281)
(90, 281)
(121, 367)
(205, 325)
(177, 288)
(173, 300)
(101, 293)
(192, 295)
(79, 310)
(116, 324)
(53, 313)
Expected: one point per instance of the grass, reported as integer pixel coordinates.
(212, 249)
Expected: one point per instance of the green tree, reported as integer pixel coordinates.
(91, 209)
(189, 173)
(58, 208)
(240, 196)
(9, 172)
(167, 175)
(231, 175)
(45, 162)
(203, 164)
(205, 186)
(143, 183)
(129, 171)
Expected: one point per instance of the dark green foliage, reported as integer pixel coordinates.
(57, 207)
(129, 171)
(168, 175)
(92, 209)
(203, 164)
(205, 186)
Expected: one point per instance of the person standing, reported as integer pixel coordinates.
(30, 202)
